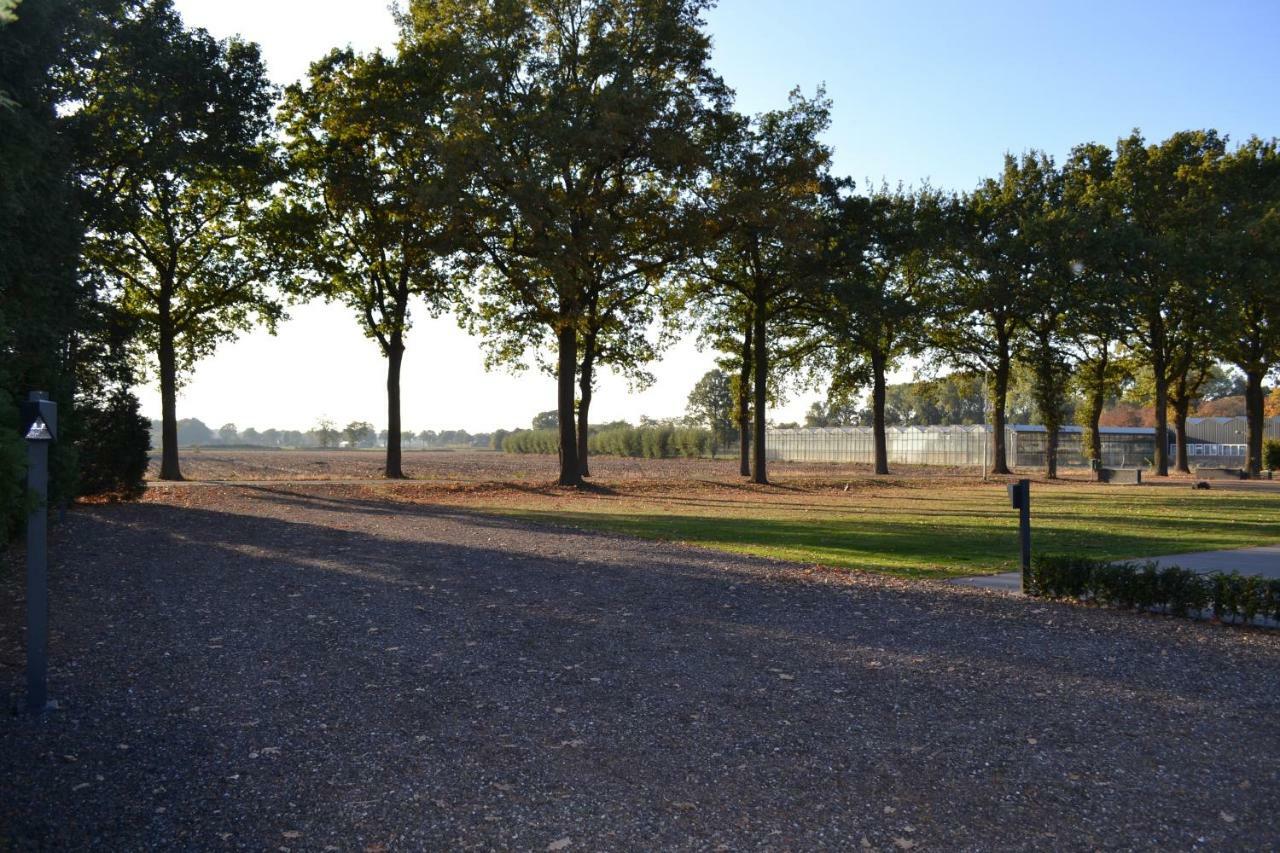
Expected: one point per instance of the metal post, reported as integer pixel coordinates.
(1024, 531)
(40, 428)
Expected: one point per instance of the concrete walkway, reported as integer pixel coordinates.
(1263, 561)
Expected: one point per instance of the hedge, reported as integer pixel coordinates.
(1271, 454)
(1148, 586)
(660, 442)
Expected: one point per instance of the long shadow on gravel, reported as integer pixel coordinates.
(308, 671)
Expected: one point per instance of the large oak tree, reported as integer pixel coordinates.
(371, 197)
(584, 123)
(174, 156)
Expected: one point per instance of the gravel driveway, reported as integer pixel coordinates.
(289, 667)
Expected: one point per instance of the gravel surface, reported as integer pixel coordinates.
(306, 669)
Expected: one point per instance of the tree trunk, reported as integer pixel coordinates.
(759, 472)
(877, 412)
(1053, 437)
(1097, 399)
(1255, 413)
(584, 402)
(395, 357)
(566, 369)
(1181, 408)
(744, 405)
(1162, 417)
(169, 469)
(999, 397)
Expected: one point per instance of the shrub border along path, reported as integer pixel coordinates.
(1148, 586)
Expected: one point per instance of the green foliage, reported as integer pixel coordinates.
(13, 467)
(1146, 586)
(113, 445)
(647, 442)
(532, 441)
(587, 132)
(172, 140)
(711, 406)
(546, 420)
(358, 433)
(1271, 455)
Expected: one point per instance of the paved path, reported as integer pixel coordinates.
(1263, 561)
(266, 668)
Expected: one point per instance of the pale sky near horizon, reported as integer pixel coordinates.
(921, 90)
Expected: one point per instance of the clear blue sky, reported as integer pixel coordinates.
(942, 89)
(936, 90)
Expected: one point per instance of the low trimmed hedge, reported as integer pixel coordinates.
(1147, 586)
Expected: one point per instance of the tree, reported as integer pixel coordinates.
(1095, 326)
(58, 331)
(767, 203)
(547, 420)
(584, 125)
(358, 433)
(1162, 256)
(711, 405)
(326, 434)
(172, 144)
(1043, 224)
(369, 202)
(835, 413)
(1246, 185)
(979, 309)
(1271, 408)
(228, 434)
(871, 311)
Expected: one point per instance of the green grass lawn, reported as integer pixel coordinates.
(922, 532)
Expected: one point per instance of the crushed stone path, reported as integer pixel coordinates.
(291, 668)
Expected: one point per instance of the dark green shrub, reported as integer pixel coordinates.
(112, 447)
(13, 470)
(1145, 586)
(1271, 454)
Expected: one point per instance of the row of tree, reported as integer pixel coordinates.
(572, 181)
(192, 432)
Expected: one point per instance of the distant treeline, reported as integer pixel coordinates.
(192, 432)
(649, 442)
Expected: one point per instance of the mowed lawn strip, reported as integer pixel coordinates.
(925, 532)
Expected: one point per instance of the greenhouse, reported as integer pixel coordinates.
(1122, 447)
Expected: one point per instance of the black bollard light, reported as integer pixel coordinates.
(1020, 498)
(40, 429)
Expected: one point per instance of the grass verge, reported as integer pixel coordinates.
(923, 532)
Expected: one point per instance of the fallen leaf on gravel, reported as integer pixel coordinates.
(1229, 818)
(559, 844)
(80, 787)
(866, 843)
(785, 677)
(686, 806)
(291, 833)
(1032, 741)
(903, 843)
(889, 810)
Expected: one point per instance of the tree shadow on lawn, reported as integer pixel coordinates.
(966, 544)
